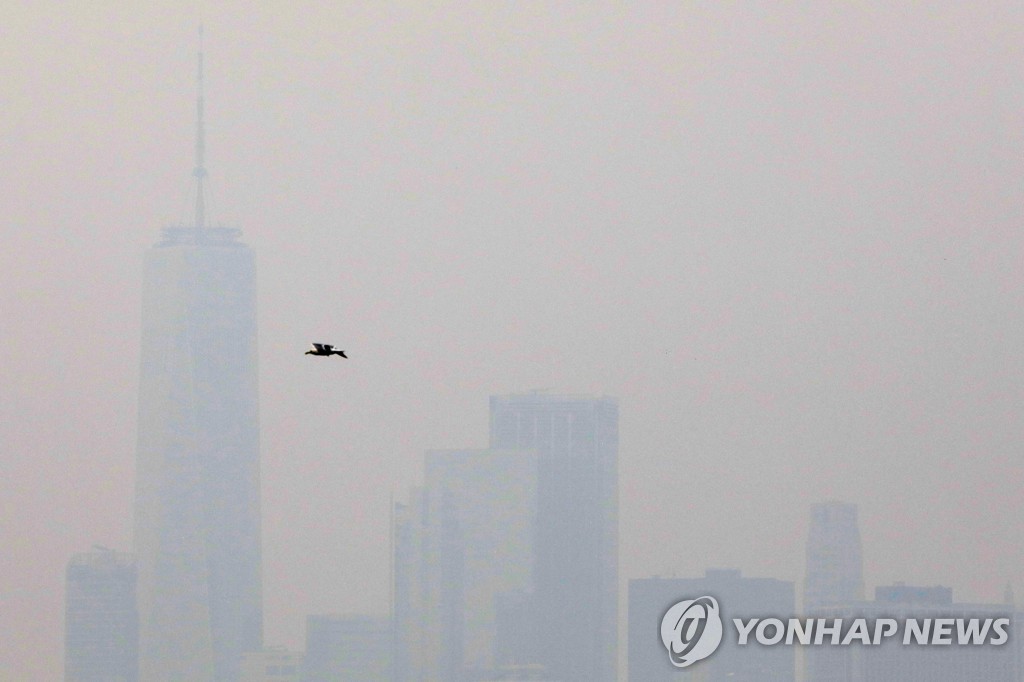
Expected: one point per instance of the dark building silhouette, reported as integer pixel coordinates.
(738, 597)
(197, 509)
(576, 571)
(101, 640)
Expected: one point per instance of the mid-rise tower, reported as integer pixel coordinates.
(101, 628)
(834, 572)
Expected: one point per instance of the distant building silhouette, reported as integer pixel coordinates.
(463, 549)
(101, 641)
(576, 576)
(272, 664)
(834, 571)
(416, 644)
(197, 510)
(892, 661)
(738, 597)
(347, 648)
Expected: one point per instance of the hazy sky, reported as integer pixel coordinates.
(787, 236)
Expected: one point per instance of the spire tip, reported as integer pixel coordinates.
(200, 168)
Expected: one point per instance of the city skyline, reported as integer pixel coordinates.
(787, 240)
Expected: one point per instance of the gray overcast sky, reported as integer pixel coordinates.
(787, 236)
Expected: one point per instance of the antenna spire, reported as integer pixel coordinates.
(199, 172)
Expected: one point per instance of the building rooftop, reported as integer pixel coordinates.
(101, 557)
(176, 235)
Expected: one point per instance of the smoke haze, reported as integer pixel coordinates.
(786, 238)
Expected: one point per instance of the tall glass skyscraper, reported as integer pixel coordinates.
(197, 511)
(576, 556)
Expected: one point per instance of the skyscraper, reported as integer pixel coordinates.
(576, 570)
(463, 549)
(101, 642)
(834, 572)
(197, 510)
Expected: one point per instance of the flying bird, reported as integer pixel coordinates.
(325, 349)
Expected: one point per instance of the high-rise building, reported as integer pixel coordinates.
(354, 648)
(101, 639)
(463, 550)
(576, 568)
(737, 597)
(834, 573)
(197, 510)
(894, 661)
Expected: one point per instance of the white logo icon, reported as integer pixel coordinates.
(691, 630)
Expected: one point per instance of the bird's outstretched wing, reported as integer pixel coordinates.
(319, 347)
(328, 347)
